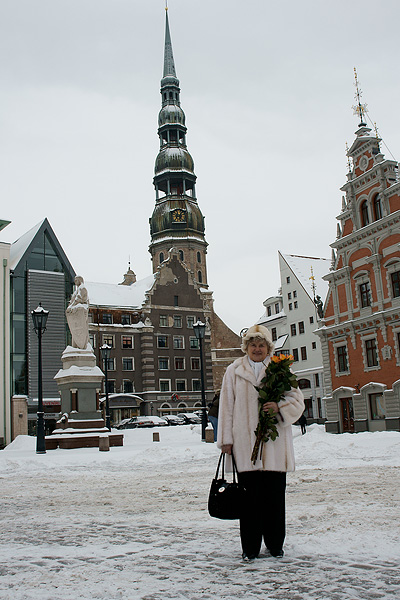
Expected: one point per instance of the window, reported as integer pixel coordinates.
(277, 308)
(190, 321)
(181, 256)
(364, 214)
(294, 294)
(377, 406)
(125, 319)
(301, 326)
(127, 386)
(194, 343)
(289, 296)
(303, 351)
(295, 354)
(293, 329)
(269, 311)
(127, 364)
(371, 352)
(178, 342)
(111, 386)
(295, 304)
(196, 385)
(107, 319)
(273, 333)
(165, 385)
(176, 300)
(180, 385)
(316, 379)
(195, 364)
(199, 277)
(287, 279)
(177, 321)
(377, 207)
(198, 257)
(290, 306)
(162, 341)
(179, 363)
(110, 364)
(395, 277)
(314, 345)
(161, 257)
(109, 340)
(311, 319)
(127, 341)
(309, 409)
(365, 296)
(163, 321)
(341, 353)
(304, 384)
(92, 340)
(163, 363)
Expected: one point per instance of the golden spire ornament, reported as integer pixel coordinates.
(359, 109)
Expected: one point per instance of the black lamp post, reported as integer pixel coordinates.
(105, 354)
(200, 330)
(39, 317)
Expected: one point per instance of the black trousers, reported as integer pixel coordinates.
(264, 511)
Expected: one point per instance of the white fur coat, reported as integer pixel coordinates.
(238, 418)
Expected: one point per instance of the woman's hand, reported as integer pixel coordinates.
(227, 448)
(268, 405)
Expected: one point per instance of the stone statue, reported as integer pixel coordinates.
(319, 304)
(77, 315)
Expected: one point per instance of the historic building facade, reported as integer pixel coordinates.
(292, 316)
(360, 334)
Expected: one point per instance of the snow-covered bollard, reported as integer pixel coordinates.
(210, 435)
(104, 442)
(156, 436)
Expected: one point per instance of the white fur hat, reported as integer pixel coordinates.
(257, 331)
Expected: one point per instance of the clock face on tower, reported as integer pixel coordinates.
(178, 215)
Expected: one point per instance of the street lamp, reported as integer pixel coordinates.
(39, 317)
(200, 330)
(105, 355)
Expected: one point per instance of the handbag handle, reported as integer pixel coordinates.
(234, 467)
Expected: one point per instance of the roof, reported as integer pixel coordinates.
(3, 223)
(117, 295)
(301, 267)
(21, 245)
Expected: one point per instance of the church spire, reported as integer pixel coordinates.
(176, 220)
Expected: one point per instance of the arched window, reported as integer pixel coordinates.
(161, 257)
(304, 384)
(198, 257)
(181, 254)
(200, 277)
(377, 207)
(364, 214)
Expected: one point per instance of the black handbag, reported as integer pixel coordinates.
(226, 499)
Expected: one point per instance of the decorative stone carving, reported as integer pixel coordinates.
(77, 315)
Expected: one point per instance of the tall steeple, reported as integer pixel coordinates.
(176, 220)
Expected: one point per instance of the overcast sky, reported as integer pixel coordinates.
(267, 89)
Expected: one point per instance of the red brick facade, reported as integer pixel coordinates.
(361, 333)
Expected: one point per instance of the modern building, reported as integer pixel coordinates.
(293, 316)
(40, 272)
(360, 333)
(5, 412)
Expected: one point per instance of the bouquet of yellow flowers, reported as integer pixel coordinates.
(277, 380)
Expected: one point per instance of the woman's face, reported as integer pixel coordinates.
(257, 350)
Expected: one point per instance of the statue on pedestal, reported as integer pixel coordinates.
(77, 315)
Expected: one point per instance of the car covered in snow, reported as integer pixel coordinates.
(190, 418)
(174, 420)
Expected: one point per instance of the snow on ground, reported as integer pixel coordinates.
(132, 523)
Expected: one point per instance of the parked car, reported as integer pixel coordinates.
(174, 420)
(135, 422)
(190, 418)
(159, 421)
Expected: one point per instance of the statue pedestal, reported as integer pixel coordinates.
(79, 383)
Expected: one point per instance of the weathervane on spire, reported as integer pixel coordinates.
(359, 109)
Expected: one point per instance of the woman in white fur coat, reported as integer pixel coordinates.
(263, 516)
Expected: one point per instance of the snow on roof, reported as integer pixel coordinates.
(117, 295)
(301, 267)
(280, 342)
(19, 247)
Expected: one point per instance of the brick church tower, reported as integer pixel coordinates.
(361, 332)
